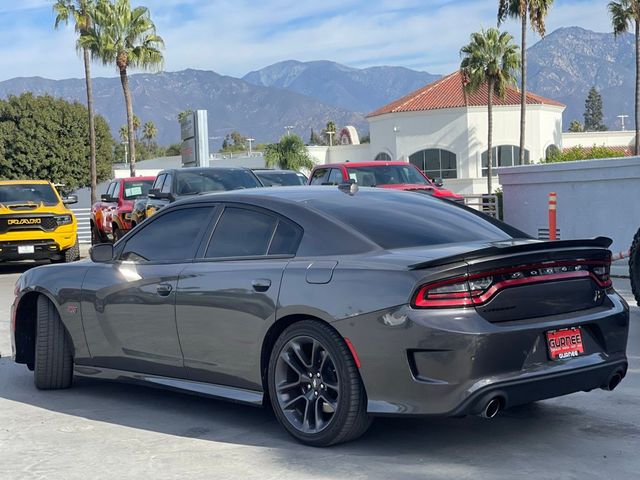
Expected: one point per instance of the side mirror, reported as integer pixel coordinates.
(101, 253)
(158, 195)
(107, 198)
(438, 182)
(70, 200)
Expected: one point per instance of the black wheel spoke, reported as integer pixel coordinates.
(306, 384)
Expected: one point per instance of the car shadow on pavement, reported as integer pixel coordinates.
(470, 441)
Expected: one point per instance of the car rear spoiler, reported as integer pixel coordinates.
(508, 247)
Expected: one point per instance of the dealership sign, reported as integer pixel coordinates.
(194, 133)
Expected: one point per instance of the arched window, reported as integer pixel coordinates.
(503, 156)
(383, 157)
(436, 163)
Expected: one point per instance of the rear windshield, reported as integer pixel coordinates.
(282, 179)
(386, 175)
(405, 219)
(136, 189)
(192, 183)
(28, 193)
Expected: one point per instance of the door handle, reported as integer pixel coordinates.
(164, 289)
(261, 284)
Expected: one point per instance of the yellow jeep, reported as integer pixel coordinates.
(35, 222)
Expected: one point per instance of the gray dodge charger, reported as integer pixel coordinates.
(331, 305)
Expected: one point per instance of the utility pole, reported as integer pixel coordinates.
(288, 128)
(622, 117)
(331, 134)
(250, 140)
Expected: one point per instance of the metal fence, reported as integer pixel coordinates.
(83, 215)
(487, 204)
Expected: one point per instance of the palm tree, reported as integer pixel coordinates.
(289, 154)
(126, 38)
(80, 12)
(149, 132)
(536, 11)
(489, 61)
(625, 14)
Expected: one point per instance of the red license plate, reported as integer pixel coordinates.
(565, 343)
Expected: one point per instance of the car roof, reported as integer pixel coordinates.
(134, 179)
(377, 163)
(271, 170)
(24, 182)
(203, 169)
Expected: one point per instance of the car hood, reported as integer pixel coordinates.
(32, 208)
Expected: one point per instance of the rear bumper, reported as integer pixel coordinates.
(451, 362)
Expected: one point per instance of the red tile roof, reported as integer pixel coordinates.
(448, 92)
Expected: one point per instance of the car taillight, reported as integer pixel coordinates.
(478, 288)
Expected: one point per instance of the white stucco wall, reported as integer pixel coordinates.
(607, 139)
(595, 198)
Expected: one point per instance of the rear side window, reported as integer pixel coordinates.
(335, 177)
(404, 219)
(171, 237)
(249, 233)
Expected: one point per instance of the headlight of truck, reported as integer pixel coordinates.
(64, 220)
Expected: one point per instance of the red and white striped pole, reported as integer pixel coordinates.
(553, 203)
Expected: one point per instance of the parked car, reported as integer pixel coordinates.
(111, 215)
(393, 175)
(280, 178)
(333, 305)
(35, 222)
(171, 185)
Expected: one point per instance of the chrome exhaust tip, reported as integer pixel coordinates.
(492, 408)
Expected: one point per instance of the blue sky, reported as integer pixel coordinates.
(233, 37)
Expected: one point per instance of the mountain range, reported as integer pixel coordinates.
(305, 95)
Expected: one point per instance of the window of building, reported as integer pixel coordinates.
(436, 163)
(383, 157)
(503, 156)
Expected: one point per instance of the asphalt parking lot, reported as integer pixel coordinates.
(105, 430)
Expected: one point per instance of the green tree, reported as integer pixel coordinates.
(184, 113)
(575, 126)
(535, 11)
(581, 153)
(79, 11)
(625, 15)
(593, 112)
(126, 38)
(290, 153)
(489, 61)
(173, 150)
(46, 138)
(136, 126)
(149, 132)
(123, 132)
(234, 142)
(330, 131)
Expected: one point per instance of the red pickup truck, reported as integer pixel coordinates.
(394, 175)
(111, 216)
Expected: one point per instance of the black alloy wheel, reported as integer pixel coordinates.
(314, 386)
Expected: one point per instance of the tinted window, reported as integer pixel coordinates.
(403, 219)
(286, 239)
(136, 189)
(241, 233)
(166, 186)
(320, 176)
(170, 237)
(335, 177)
(192, 183)
(158, 183)
(280, 179)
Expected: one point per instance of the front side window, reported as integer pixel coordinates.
(166, 186)
(171, 237)
(248, 233)
(110, 189)
(335, 177)
(320, 176)
(116, 191)
(157, 185)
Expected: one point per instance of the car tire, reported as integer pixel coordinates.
(318, 398)
(634, 267)
(69, 255)
(53, 363)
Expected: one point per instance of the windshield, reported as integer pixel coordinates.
(192, 183)
(28, 193)
(280, 179)
(136, 189)
(386, 175)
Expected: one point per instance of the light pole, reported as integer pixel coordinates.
(288, 128)
(250, 140)
(126, 151)
(622, 117)
(331, 134)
